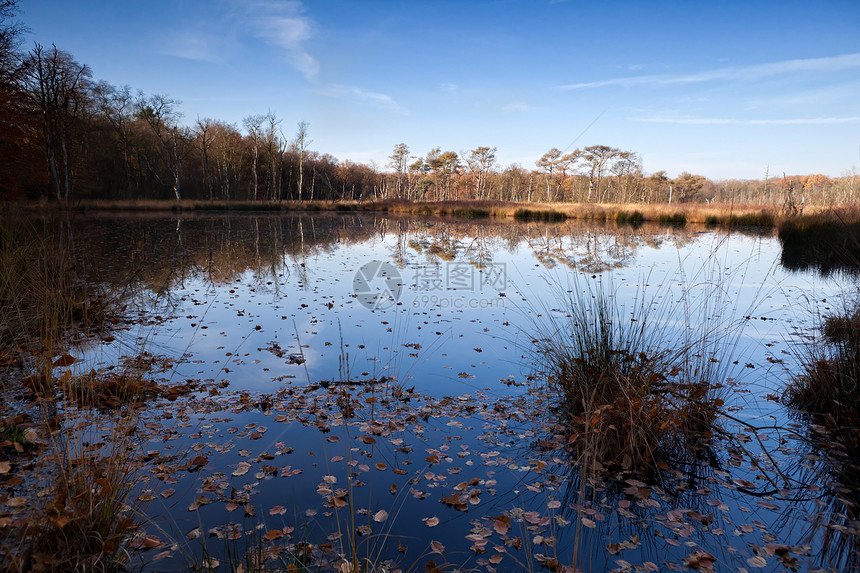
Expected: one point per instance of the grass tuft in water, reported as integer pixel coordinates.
(630, 399)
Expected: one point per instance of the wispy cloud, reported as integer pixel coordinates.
(376, 99)
(735, 73)
(194, 45)
(517, 106)
(284, 25)
(732, 121)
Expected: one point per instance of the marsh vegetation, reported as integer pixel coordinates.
(209, 391)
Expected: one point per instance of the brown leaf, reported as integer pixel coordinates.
(431, 521)
(437, 547)
(380, 516)
(64, 360)
(273, 534)
(588, 522)
(501, 524)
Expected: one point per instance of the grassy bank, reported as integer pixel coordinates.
(678, 214)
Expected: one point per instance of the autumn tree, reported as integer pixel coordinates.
(399, 161)
(203, 135)
(597, 157)
(627, 169)
(480, 162)
(685, 186)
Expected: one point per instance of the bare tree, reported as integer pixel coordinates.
(204, 138)
(400, 163)
(301, 145)
(160, 114)
(274, 152)
(254, 125)
(57, 85)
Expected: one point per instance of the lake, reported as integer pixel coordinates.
(370, 386)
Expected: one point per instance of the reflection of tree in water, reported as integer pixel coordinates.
(160, 253)
(595, 249)
(827, 470)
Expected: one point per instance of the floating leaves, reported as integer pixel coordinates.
(380, 516)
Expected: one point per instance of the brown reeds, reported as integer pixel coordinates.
(72, 480)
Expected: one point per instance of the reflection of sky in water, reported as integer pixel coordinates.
(447, 313)
(456, 341)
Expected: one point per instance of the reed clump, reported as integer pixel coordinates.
(629, 401)
(539, 214)
(826, 241)
(829, 386)
(632, 218)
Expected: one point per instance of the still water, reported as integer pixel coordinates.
(371, 381)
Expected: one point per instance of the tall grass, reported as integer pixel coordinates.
(712, 214)
(827, 241)
(829, 386)
(639, 382)
(74, 509)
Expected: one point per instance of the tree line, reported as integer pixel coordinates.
(66, 136)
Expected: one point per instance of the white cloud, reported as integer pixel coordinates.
(284, 25)
(194, 45)
(732, 121)
(381, 100)
(736, 73)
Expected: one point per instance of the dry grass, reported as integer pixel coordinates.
(830, 384)
(712, 214)
(71, 487)
(629, 399)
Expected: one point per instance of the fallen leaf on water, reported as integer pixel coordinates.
(64, 360)
(380, 516)
(588, 522)
(437, 547)
(431, 521)
(501, 524)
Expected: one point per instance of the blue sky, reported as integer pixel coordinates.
(722, 89)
